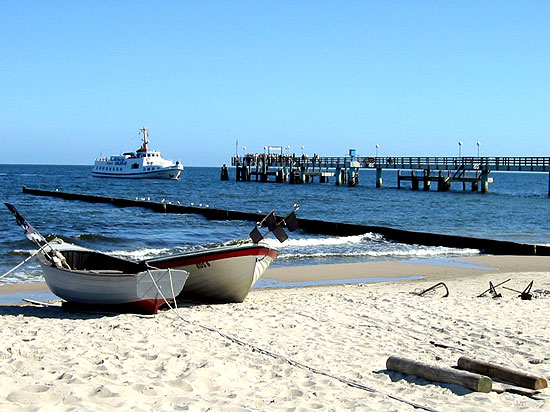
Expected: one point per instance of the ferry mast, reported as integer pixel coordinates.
(145, 141)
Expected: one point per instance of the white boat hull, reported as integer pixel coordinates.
(110, 287)
(223, 274)
(167, 173)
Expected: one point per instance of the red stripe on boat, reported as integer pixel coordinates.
(182, 260)
(150, 306)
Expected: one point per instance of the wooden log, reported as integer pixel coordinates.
(500, 372)
(469, 380)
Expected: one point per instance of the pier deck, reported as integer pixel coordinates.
(302, 169)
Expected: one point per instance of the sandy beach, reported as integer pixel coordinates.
(289, 349)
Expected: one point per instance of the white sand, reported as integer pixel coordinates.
(55, 361)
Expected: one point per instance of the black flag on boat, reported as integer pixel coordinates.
(30, 231)
(256, 235)
(280, 233)
(291, 222)
(270, 221)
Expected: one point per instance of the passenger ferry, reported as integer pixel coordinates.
(143, 164)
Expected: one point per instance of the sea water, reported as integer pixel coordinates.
(517, 208)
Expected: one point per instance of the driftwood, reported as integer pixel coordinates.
(504, 374)
(517, 391)
(40, 303)
(469, 380)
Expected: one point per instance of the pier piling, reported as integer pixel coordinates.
(378, 177)
(427, 179)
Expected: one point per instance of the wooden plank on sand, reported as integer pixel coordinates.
(504, 374)
(473, 381)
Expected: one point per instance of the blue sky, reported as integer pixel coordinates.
(79, 78)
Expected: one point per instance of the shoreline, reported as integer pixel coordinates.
(433, 268)
(436, 269)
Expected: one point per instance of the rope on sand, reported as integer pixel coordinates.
(295, 363)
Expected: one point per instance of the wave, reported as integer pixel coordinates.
(325, 241)
(96, 237)
(22, 252)
(401, 253)
(140, 254)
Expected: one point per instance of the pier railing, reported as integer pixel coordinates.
(533, 164)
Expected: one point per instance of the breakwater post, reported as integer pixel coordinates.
(491, 246)
(224, 173)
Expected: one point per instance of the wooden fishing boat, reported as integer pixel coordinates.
(227, 273)
(222, 274)
(87, 277)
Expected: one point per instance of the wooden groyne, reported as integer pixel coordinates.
(489, 246)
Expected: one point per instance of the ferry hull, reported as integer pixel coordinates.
(172, 173)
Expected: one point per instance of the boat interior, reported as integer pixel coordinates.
(100, 262)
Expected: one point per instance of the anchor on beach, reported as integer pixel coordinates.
(493, 290)
(434, 287)
(526, 294)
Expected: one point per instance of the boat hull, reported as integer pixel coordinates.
(223, 274)
(166, 173)
(110, 288)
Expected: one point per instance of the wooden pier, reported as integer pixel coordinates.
(443, 171)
